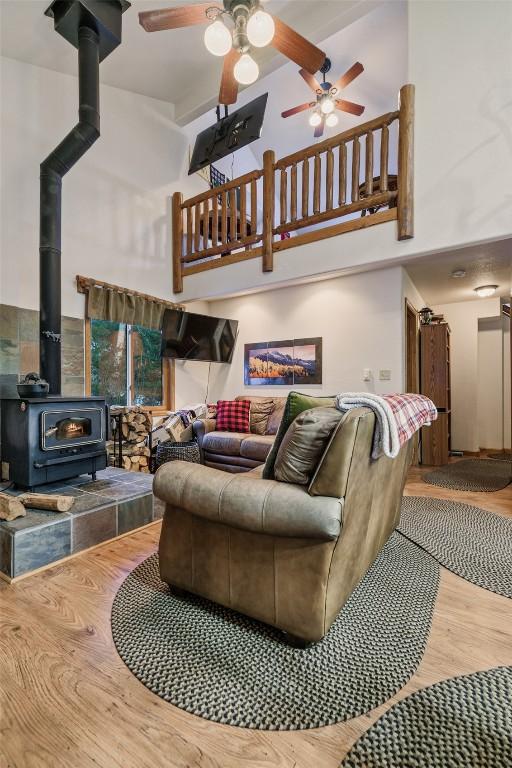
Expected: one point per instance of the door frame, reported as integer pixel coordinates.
(412, 359)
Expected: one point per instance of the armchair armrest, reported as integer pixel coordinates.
(248, 503)
(201, 427)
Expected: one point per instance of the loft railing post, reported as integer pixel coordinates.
(267, 255)
(177, 242)
(406, 163)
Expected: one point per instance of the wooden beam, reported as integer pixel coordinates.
(406, 163)
(223, 261)
(177, 242)
(269, 160)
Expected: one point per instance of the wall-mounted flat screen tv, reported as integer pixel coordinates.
(188, 336)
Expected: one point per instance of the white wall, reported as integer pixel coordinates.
(463, 320)
(115, 217)
(359, 318)
(458, 55)
(490, 383)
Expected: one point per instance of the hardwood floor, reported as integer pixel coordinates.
(67, 700)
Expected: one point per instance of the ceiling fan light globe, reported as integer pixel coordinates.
(260, 29)
(331, 120)
(315, 119)
(217, 38)
(246, 70)
(327, 106)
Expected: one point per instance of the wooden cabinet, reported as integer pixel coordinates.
(436, 384)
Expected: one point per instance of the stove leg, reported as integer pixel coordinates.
(93, 475)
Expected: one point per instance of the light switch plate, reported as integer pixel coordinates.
(384, 374)
(367, 374)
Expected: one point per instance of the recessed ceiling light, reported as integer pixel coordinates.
(485, 290)
(459, 273)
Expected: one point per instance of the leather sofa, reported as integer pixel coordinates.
(238, 451)
(273, 551)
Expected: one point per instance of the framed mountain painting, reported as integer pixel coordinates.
(289, 362)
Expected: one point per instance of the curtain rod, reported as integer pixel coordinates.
(84, 283)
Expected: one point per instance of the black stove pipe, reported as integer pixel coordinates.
(53, 168)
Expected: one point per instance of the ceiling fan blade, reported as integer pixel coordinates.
(319, 130)
(349, 106)
(228, 85)
(296, 47)
(310, 80)
(295, 110)
(347, 78)
(173, 18)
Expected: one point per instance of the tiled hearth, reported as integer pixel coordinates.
(114, 504)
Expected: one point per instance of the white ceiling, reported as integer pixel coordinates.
(487, 264)
(174, 65)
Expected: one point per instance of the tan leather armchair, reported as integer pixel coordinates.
(272, 550)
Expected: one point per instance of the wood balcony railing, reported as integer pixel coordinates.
(304, 190)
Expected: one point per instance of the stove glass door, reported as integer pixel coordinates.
(62, 429)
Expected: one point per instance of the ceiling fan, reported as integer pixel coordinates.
(326, 98)
(248, 25)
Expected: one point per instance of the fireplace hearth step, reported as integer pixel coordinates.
(115, 504)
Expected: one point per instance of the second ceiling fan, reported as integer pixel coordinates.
(327, 98)
(249, 26)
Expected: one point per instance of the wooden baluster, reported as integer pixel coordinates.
(206, 222)
(254, 207)
(189, 230)
(356, 153)
(283, 196)
(233, 217)
(197, 227)
(177, 242)
(384, 152)
(224, 219)
(305, 187)
(342, 174)
(243, 211)
(215, 220)
(269, 160)
(316, 183)
(405, 203)
(369, 164)
(329, 179)
(293, 194)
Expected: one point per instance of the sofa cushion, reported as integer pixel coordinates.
(304, 443)
(233, 415)
(295, 404)
(256, 447)
(259, 416)
(274, 420)
(227, 443)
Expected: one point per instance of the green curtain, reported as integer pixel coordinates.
(108, 304)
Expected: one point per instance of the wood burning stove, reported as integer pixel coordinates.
(49, 439)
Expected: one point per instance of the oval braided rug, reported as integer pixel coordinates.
(472, 475)
(464, 722)
(216, 663)
(471, 542)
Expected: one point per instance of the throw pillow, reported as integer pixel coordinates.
(260, 412)
(295, 404)
(304, 443)
(233, 415)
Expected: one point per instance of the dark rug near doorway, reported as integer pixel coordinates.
(463, 722)
(501, 456)
(223, 666)
(472, 475)
(469, 541)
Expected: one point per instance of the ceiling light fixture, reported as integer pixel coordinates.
(458, 273)
(331, 120)
(327, 105)
(217, 38)
(484, 291)
(260, 29)
(315, 119)
(246, 70)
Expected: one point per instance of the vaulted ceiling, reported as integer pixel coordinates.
(173, 66)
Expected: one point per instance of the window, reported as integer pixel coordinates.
(125, 365)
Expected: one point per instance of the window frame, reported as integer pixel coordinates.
(168, 376)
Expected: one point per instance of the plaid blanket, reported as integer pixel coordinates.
(398, 417)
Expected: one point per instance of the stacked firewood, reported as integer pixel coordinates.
(135, 428)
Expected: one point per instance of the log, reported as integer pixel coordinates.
(127, 464)
(52, 502)
(11, 507)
